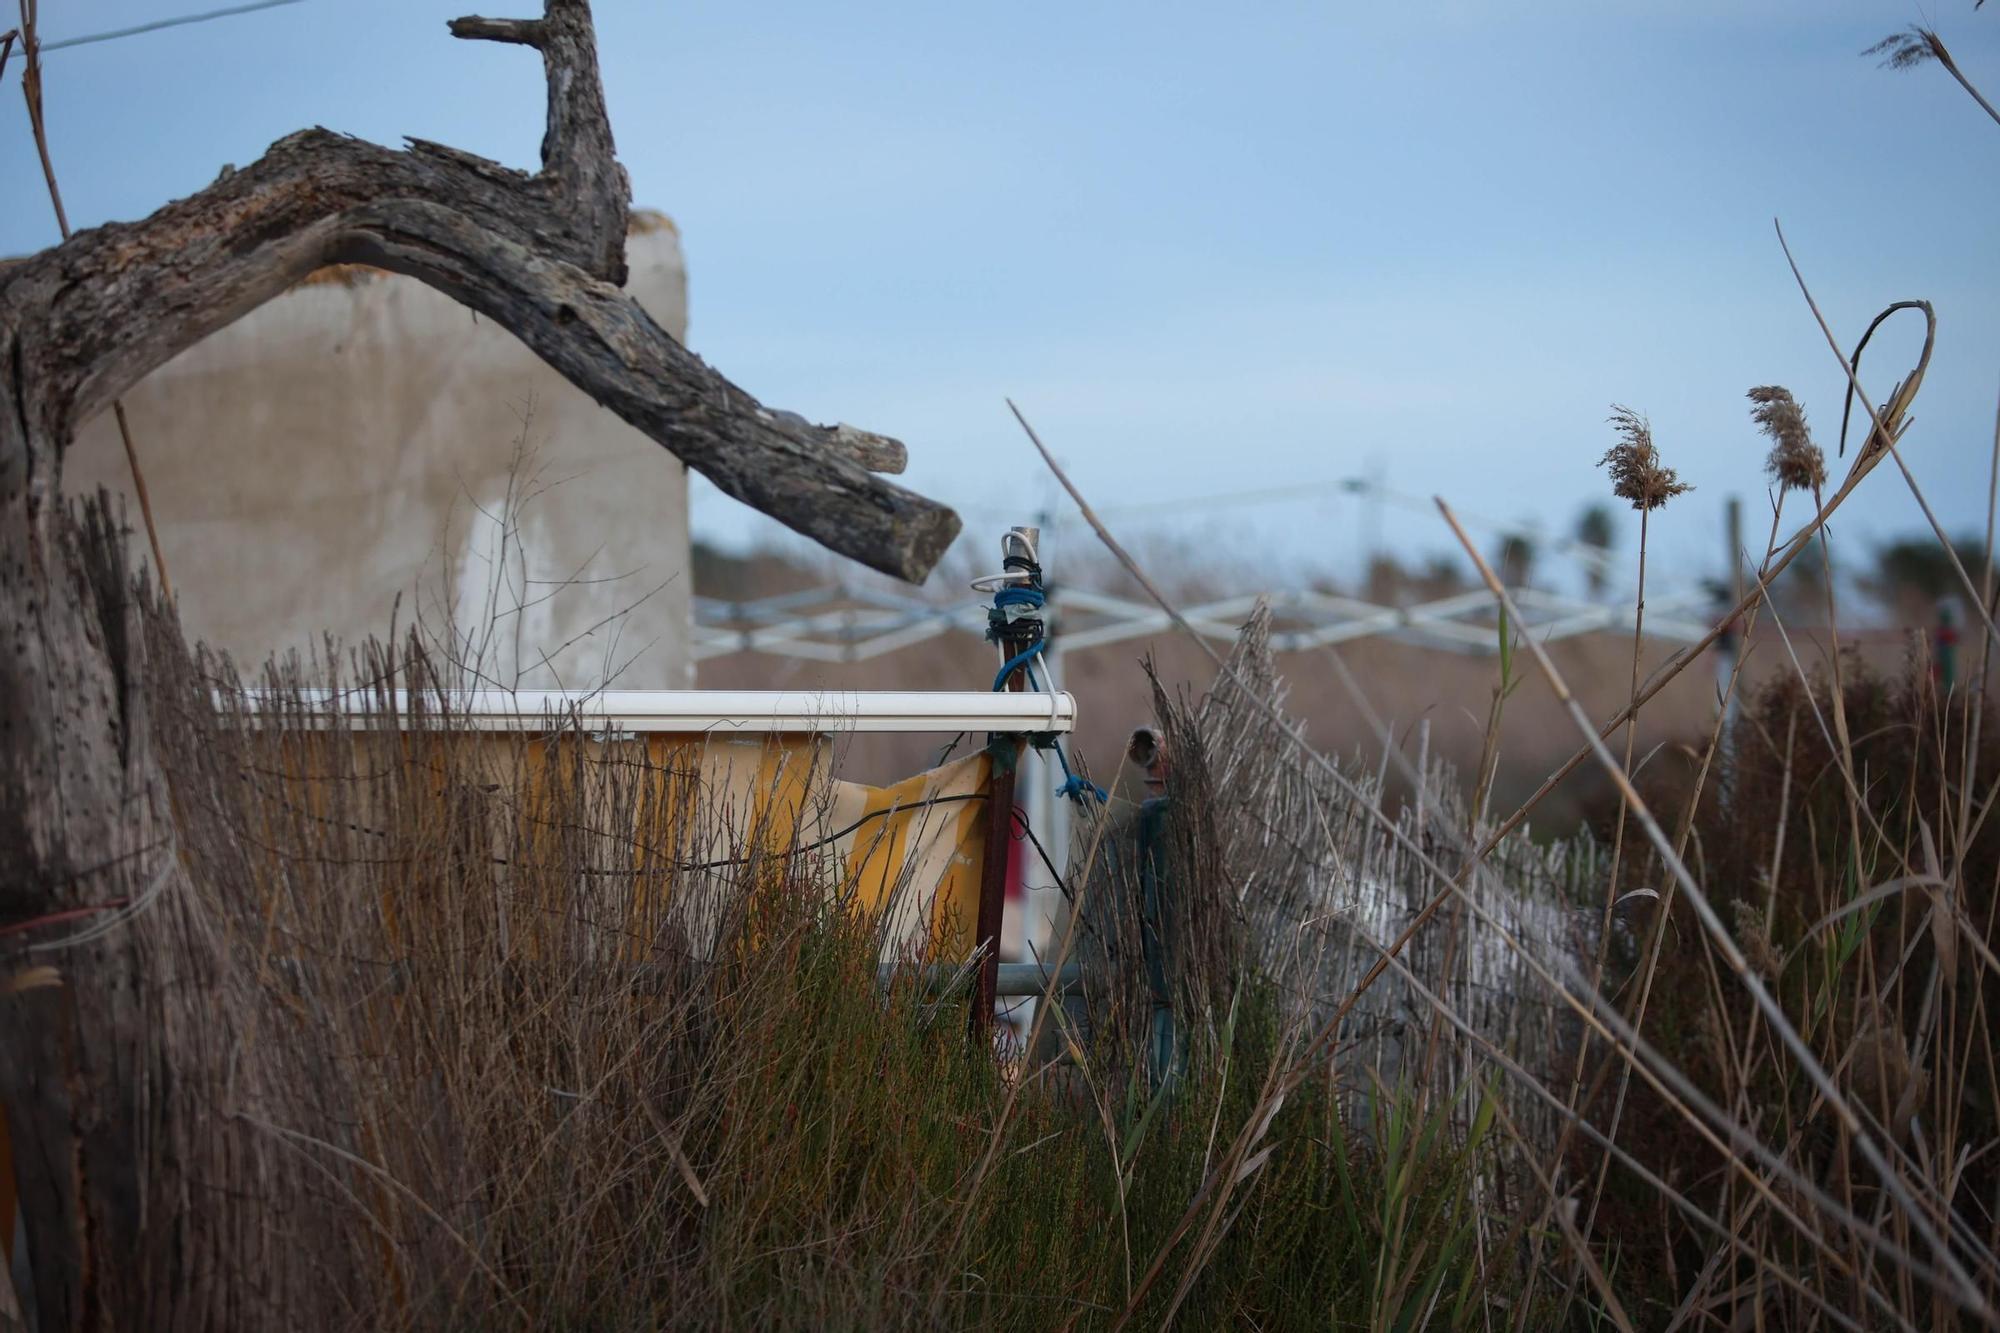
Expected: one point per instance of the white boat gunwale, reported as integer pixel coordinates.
(754, 712)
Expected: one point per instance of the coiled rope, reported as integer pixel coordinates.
(1017, 606)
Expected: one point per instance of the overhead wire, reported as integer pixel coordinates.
(157, 25)
(1319, 490)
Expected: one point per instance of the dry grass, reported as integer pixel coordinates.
(1883, 960)
(457, 1033)
(451, 1032)
(1895, 1235)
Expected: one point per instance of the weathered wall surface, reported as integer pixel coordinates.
(364, 437)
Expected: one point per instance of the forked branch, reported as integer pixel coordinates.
(543, 255)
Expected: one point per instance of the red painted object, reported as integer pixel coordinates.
(1017, 871)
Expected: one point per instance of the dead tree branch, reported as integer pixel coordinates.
(543, 255)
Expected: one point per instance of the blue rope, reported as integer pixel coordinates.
(1019, 594)
(1016, 663)
(1031, 597)
(1077, 787)
(1074, 786)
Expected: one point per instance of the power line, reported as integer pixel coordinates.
(1308, 490)
(1199, 504)
(1203, 506)
(158, 24)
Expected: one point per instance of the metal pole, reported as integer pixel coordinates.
(1003, 752)
(1019, 555)
(1735, 520)
(1423, 769)
(1057, 835)
(1055, 821)
(1732, 642)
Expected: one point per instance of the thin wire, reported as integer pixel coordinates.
(158, 24)
(670, 867)
(1027, 827)
(1314, 492)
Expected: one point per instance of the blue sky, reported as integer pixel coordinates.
(1206, 247)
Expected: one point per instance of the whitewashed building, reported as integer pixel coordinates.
(364, 448)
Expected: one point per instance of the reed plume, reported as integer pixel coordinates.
(1795, 462)
(1636, 472)
(1909, 48)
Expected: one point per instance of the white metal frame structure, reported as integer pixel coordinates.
(855, 623)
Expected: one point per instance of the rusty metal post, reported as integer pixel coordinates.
(1004, 754)
(1014, 634)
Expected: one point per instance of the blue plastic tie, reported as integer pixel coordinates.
(1075, 787)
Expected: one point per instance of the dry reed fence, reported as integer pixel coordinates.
(1275, 874)
(445, 1029)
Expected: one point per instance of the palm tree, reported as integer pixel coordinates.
(1912, 576)
(1517, 559)
(1596, 531)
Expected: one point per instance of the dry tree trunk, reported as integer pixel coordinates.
(85, 822)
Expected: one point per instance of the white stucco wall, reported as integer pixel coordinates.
(364, 437)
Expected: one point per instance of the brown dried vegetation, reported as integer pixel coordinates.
(1795, 463)
(1637, 474)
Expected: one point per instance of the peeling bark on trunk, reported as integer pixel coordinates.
(80, 801)
(84, 817)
